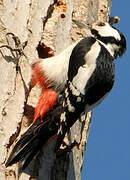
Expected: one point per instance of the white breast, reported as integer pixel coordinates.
(56, 68)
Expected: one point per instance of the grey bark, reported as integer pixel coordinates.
(47, 23)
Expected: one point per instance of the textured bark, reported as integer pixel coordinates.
(46, 27)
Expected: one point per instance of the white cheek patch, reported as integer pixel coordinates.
(85, 71)
(107, 30)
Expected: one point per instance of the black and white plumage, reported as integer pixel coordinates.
(88, 77)
(91, 72)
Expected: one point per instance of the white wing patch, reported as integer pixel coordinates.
(85, 71)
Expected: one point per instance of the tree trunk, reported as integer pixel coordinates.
(44, 28)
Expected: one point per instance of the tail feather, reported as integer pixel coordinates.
(32, 153)
(19, 153)
(23, 146)
(33, 139)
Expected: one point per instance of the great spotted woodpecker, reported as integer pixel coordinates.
(85, 78)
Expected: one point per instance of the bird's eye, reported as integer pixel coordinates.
(101, 24)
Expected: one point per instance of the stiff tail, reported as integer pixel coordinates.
(34, 138)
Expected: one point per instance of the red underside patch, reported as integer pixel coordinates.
(46, 102)
(38, 76)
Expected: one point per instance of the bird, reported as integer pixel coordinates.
(79, 82)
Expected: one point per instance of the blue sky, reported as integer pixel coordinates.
(107, 155)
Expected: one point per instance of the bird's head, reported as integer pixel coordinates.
(109, 36)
